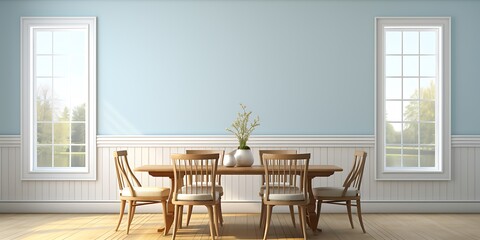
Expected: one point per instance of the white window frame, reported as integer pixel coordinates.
(443, 142)
(28, 24)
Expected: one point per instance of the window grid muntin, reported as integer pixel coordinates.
(419, 99)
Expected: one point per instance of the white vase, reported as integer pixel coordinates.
(229, 159)
(244, 157)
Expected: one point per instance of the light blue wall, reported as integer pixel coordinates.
(182, 67)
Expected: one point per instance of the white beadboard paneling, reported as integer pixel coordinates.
(477, 171)
(464, 186)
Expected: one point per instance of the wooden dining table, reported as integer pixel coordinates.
(313, 172)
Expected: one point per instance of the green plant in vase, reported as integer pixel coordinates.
(242, 128)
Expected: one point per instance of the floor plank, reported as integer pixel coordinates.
(241, 226)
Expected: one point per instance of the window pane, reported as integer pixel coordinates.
(393, 88)
(410, 110)
(393, 110)
(60, 66)
(410, 66)
(44, 111)
(44, 133)
(44, 156)
(393, 66)
(43, 42)
(393, 156)
(428, 42)
(427, 88)
(393, 133)
(61, 90)
(78, 160)
(410, 88)
(410, 133)
(427, 111)
(78, 67)
(70, 42)
(61, 156)
(43, 66)
(427, 157)
(410, 42)
(78, 113)
(78, 156)
(410, 156)
(427, 133)
(393, 42)
(78, 149)
(61, 133)
(78, 133)
(428, 66)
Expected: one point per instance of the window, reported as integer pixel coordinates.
(413, 98)
(58, 98)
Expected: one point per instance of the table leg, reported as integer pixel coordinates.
(311, 214)
(169, 216)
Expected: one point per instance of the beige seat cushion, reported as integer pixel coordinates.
(196, 194)
(283, 194)
(145, 192)
(333, 192)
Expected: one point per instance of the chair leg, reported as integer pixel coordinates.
(262, 214)
(300, 216)
(122, 212)
(215, 218)
(211, 222)
(175, 221)
(180, 217)
(165, 213)
(359, 213)
(304, 221)
(220, 216)
(319, 209)
(349, 210)
(292, 215)
(130, 214)
(267, 222)
(189, 213)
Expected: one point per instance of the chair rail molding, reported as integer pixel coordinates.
(225, 140)
(231, 141)
(10, 141)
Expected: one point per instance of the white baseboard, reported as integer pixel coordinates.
(239, 207)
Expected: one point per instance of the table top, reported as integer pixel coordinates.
(167, 170)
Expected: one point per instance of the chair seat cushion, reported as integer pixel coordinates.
(145, 192)
(192, 193)
(333, 192)
(283, 194)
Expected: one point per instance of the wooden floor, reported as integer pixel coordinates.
(241, 226)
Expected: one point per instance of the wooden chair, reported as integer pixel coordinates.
(195, 182)
(346, 194)
(218, 187)
(262, 188)
(133, 192)
(286, 184)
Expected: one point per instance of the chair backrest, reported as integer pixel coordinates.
(125, 176)
(261, 152)
(286, 173)
(195, 173)
(354, 178)
(221, 153)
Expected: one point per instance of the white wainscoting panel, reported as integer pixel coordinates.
(463, 188)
